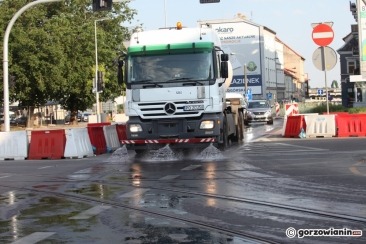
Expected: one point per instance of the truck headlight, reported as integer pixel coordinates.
(207, 124)
(135, 128)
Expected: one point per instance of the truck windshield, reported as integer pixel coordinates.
(171, 68)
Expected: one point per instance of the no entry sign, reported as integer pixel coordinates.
(323, 35)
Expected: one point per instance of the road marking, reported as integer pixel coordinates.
(91, 212)
(354, 169)
(169, 177)
(263, 139)
(45, 167)
(4, 176)
(192, 167)
(135, 193)
(84, 171)
(302, 147)
(34, 238)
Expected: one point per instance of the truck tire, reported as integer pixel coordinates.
(240, 127)
(224, 135)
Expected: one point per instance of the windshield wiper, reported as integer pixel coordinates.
(190, 79)
(149, 82)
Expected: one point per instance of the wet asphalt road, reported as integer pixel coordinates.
(267, 189)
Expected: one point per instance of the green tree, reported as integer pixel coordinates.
(52, 51)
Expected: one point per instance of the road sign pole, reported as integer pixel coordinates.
(325, 76)
(245, 80)
(323, 35)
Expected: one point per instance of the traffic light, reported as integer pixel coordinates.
(100, 81)
(101, 5)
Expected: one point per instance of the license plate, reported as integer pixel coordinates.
(192, 107)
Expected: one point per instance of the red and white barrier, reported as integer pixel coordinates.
(291, 109)
(277, 109)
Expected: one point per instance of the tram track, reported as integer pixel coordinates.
(98, 179)
(355, 219)
(344, 217)
(94, 200)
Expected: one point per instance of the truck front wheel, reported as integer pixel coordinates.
(224, 137)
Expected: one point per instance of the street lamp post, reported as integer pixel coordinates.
(276, 58)
(6, 58)
(96, 68)
(245, 81)
(165, 13)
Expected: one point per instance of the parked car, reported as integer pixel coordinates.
(85, 116)
(21, 121)
(68, 117)
(259, 111)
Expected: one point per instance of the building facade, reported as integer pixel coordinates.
(352, 83)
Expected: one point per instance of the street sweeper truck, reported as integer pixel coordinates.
(176, 81)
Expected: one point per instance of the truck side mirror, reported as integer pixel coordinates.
(224, 57)
(224, 70)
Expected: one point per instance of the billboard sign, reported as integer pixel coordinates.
(241, 40)
(254, 84)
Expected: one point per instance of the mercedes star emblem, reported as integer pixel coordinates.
(169, 108)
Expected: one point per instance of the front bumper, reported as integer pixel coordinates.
(259, 117)
(173, 143)
(177, 132)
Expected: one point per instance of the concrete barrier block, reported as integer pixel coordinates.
(111, 137)
(14, 145)
(78, 143)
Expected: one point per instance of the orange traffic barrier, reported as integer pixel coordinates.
(294, 125)
(351, 125)
(121, 132)
(49, 144)
(97, 139)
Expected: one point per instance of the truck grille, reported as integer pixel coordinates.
(168, 109)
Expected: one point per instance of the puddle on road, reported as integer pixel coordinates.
(49, 212)
(12, 197)
(97, 190)
(173, 232)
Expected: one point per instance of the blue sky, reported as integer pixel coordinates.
(290, 19)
